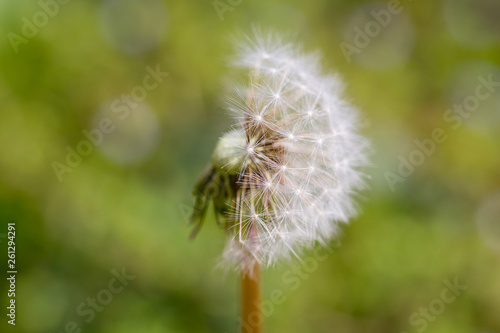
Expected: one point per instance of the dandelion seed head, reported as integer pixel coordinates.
(294, 153)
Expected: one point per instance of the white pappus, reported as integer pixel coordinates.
(284, 176)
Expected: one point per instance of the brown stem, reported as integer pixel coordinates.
(251, 314)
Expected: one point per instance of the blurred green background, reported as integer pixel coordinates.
(66, 66)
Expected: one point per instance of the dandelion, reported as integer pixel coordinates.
(283, 178)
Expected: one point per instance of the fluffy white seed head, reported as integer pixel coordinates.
(295, 152)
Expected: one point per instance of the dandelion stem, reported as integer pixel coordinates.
(251, 314)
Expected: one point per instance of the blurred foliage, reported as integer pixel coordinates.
(124, 205)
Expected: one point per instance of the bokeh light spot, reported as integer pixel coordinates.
(133, 27)
(135, 134)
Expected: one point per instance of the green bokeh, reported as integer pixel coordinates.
(125, 204)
